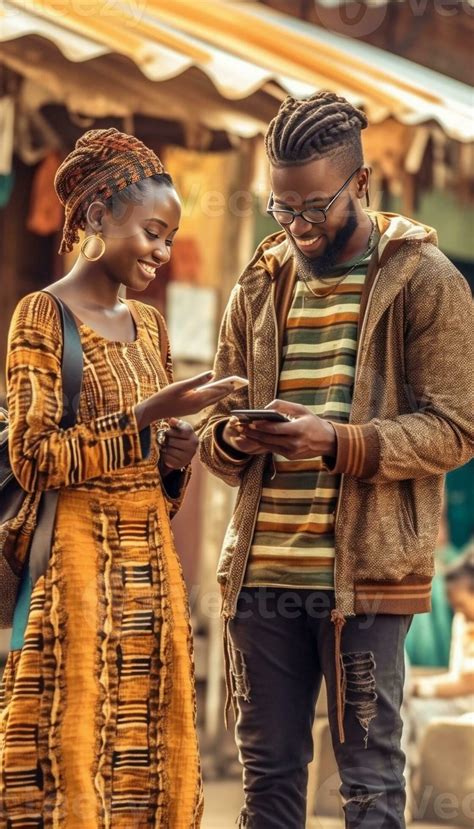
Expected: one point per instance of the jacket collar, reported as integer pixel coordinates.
(274, 261)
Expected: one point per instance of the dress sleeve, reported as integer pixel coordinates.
(42, 455)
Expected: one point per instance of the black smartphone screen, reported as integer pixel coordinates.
(247, 415)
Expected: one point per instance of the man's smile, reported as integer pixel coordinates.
(309, 245)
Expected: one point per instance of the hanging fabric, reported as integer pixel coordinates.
(6, 188)
(46, 214)
(7, 126)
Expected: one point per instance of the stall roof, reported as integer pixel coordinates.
(224, 64)
(368, 2)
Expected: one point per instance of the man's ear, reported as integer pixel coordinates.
(363, 181)
(95, 215)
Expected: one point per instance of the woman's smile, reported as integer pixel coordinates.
(148, 268)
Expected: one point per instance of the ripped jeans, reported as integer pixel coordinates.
(281, 645)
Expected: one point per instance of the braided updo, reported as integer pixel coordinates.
(103, 163)
(323, 125)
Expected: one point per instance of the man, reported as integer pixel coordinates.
(363, 330)
(449, 694)
(452, 693)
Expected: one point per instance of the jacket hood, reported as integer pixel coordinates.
(275, 250)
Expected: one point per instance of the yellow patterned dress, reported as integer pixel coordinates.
(98, 713)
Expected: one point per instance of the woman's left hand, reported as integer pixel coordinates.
(180, 447)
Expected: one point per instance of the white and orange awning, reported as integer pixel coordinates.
(223, 64)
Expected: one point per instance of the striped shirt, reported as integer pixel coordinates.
(293, 543)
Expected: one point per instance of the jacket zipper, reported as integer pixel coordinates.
(356, 373)
(275, 392)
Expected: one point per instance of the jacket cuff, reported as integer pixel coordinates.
(225, 452)
(357, 451)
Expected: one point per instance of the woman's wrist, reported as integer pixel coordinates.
(164, 469)
(147, 412)
(167, 470)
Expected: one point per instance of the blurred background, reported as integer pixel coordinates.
(199, 83)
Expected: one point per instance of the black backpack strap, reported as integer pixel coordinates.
(71, 371)
(72, 363)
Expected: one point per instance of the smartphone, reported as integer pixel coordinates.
(236, 382)
(247, 415)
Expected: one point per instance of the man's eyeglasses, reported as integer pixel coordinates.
(313, 215)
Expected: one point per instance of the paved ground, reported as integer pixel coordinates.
(224, 800)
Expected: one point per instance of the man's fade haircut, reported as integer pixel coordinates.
(324, 125)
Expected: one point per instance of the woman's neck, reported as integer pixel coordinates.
(95, 288)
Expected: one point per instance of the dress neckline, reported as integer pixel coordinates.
(137, 322)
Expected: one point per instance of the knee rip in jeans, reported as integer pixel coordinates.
(241, 687)
(359, 687)
(362, 801)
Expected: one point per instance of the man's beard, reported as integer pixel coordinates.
(320, 265)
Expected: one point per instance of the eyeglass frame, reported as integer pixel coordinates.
(301, 213)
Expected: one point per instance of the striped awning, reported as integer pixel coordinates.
(222, 64)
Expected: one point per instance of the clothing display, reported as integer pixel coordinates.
(46, 213)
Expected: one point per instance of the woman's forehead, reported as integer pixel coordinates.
(152, 200)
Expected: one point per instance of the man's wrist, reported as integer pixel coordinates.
(329, 443)
(332, 451)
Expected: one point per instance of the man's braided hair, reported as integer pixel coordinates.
(323, 125)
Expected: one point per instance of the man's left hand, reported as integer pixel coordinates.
(305, 436)
(180, 447)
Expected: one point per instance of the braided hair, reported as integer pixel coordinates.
(107, 165)
(323, 125)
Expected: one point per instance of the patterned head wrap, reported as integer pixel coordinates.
(102, 163)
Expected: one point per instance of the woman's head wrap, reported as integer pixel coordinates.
(102, 164)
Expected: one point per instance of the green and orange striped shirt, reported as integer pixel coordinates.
(293, 544)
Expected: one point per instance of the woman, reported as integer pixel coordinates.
(98, 721)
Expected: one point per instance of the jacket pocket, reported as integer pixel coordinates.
(408, 506)
(378, 532)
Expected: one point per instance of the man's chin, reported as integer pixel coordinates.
(312, 266)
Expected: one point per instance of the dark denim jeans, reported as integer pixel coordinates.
(281, 645)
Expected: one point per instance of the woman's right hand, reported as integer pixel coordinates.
(179, 399)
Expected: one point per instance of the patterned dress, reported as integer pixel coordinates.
(98, 712)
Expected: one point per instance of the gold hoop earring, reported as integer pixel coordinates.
(84, 244)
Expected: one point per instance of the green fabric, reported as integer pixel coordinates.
(460, 504)
(429, 640)
(6, 189)
(22, 609)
